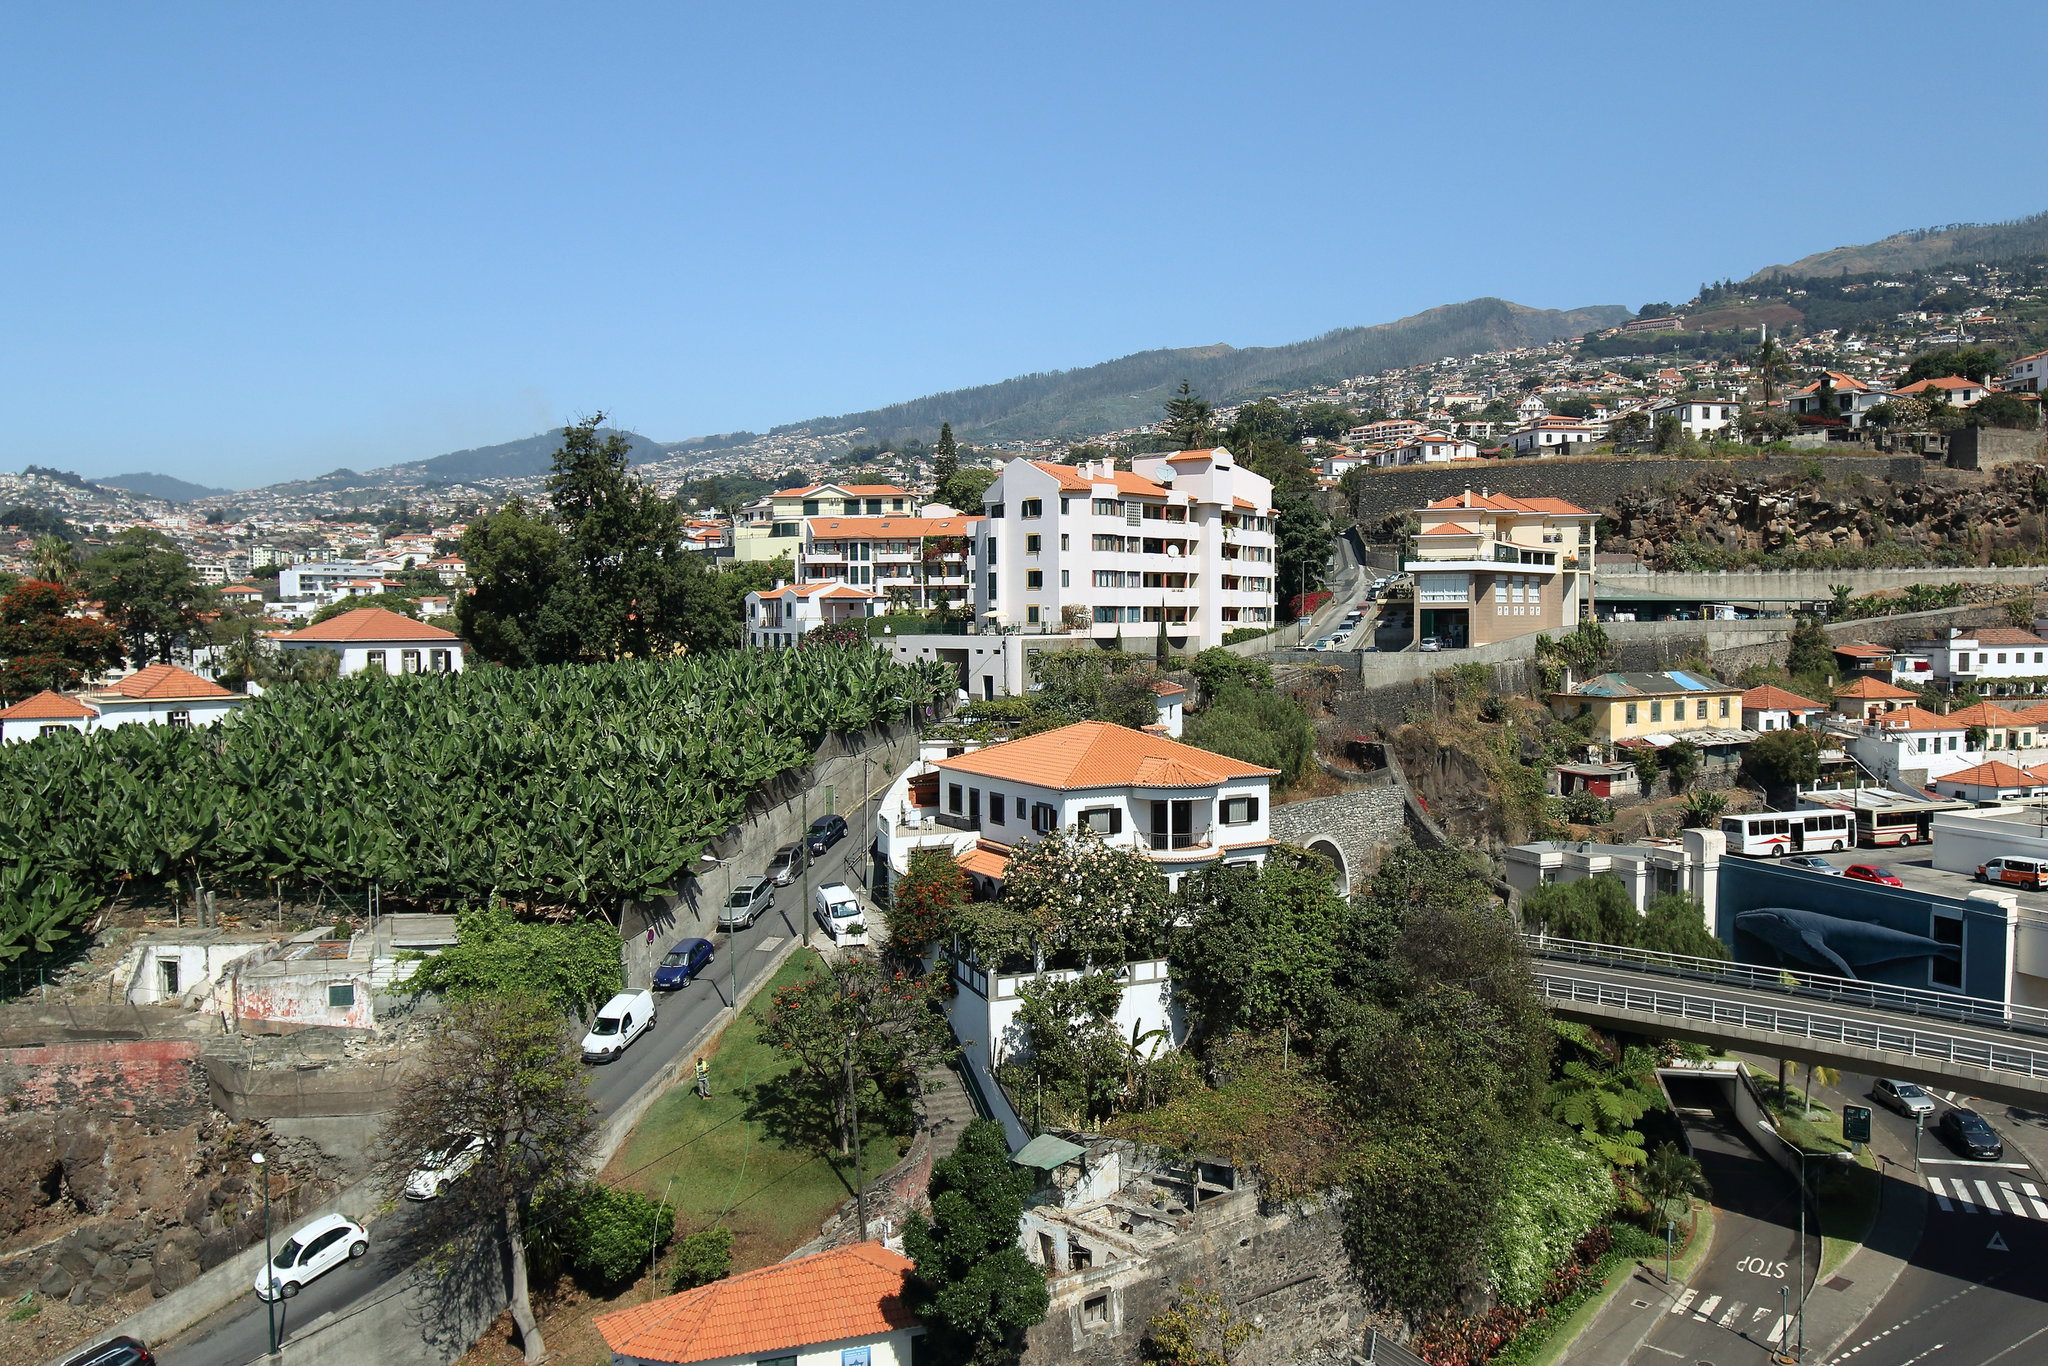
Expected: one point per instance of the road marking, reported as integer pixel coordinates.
(1684, 1301)
(769, 945)
(2034, 1195)
(1728, 1319)
(1761, 1310)
(1997, 1244)
(1707, 1308)
(1984, 1189)
(2012, 1200)
(1778, 1330)
(2014, 1348)
(1972, 1162)
(1940, 1194)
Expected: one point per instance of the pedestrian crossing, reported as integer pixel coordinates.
(1977, 1195)
(1732, 1314)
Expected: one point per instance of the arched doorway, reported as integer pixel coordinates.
(1330, 851)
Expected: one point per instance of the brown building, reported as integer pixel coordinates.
(1489, 567)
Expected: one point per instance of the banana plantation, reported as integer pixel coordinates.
(563, 788)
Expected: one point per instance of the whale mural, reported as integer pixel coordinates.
(1831, 944)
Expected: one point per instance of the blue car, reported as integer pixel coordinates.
(688, 958)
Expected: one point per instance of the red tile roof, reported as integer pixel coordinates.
(48, 706)
(864, 490)
(1862, 651)
(1917, 718)
(1871, 689)
(986, 858)
(2005, 635)
(1091, 754)
(373, 624)
(1993, 774)
(883, 528)
(1126, 482)
(831, 588)
(1501, 502)
(1988, 714)
(1770, 698)
(161, 682)
(849, 1293)
(1942, 382)
(1448, 529)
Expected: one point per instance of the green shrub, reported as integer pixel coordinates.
(701, 1258)
(614, 1232)
(1634, 1243)
(1261, 728)
(1555, 1191)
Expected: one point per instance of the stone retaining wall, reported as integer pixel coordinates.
(157, 1079)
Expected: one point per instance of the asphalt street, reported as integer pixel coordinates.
(239, 1334)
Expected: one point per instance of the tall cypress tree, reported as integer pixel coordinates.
(945, 457)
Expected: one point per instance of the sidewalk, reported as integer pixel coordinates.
(1618, 1331)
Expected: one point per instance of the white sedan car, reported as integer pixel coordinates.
(317, 1248)
(444, 1164)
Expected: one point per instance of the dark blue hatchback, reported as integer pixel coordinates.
(688, 958)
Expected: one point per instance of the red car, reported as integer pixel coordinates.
(1870, 872)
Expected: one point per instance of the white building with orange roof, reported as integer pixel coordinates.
(1845, 399)
(47, 713)
(1956, 391)
(1992, 781)
(1773, 708)
(1907, 744)
(1490, 567)
(376, 640)
(2027, 375)
(773, 527)
(1186, 539)
(161, 695)
(778, 618)
(1554, 436)
(908, 562)
(1998, 655)
(1866, 698)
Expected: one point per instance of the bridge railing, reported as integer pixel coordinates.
(1909, 1040)
(1790, 981)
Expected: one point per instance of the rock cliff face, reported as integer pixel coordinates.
(1950, 518)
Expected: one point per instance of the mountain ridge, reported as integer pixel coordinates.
(1920, 248)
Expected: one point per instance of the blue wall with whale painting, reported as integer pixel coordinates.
(1774, 916)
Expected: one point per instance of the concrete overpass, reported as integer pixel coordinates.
(1979, 1048)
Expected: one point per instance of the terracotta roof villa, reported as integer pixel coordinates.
(162, 694)
(847, 1302)
(377, 640)
(1090, 754)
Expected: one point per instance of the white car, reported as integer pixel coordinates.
(1430, 645)
(444, 1164)
(317, 1248)
(622, 1019)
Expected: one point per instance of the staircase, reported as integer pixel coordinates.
(948, 1109)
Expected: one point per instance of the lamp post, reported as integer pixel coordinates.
(860, 1185)
(731, 954)
(269, 1300)
(1802, 1253)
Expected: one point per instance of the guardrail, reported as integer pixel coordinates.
(1793, 982)
(1914, 1043)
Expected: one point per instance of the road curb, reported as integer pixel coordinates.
(1896, 1220)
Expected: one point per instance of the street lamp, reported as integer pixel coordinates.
(731, 954)
(270, 1300)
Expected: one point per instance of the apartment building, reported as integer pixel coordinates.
(773, 526)
(1699, 416)
(2003, 654)
(910, 563)
(2027, 374)
(1186, 539)
(1554, 436)
(1489, 567)
(1431, 448)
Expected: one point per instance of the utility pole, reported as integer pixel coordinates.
(269, 1300)
(860, 1185)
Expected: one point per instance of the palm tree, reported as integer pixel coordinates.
(54, 559)
(1771, 365)
(1669, 1174)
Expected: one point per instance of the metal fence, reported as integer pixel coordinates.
(1814, 985)
(1858, 1033)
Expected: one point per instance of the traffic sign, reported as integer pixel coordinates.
(1856, 1123)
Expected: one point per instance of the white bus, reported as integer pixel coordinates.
(1769, 834)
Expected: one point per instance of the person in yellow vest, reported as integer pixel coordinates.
(703, 1079)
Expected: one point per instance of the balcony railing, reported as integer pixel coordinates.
(1198, 839)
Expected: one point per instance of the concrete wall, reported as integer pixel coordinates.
(159, 1079)
(1597, 481)
(1802, 585)
(243, 1092)
(1983, 448)
(831, 783)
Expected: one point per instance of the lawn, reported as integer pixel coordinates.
(1845, 1196)
(731, 1160)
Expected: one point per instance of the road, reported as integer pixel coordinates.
(239, 1334)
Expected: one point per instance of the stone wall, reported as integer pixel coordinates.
(160, 1080)
(1286, 1267)
(1359, 825)
(1596, 481)
(1983, 448)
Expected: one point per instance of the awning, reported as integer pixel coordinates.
(1048, 1151)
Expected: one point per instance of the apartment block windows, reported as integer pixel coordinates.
(810, 507)
(1104, 820)
(955, 798)
(1067, 543)
(1031, 507)
(994, 509)
(1108, 507)
(1031, 615)
(1034, 578)
(1033, 544)
(1066, 578)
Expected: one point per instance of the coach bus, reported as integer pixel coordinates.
(1768, 834)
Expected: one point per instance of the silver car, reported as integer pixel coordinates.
(748, 899)
(1903, 1096)
(1813, 863)
(787, 865)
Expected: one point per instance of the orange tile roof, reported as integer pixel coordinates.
(1772, 698)
(1166, 689)
(1211, 452)
(1448, 529)
(988, 859)
(2036, 715)
(1941, 382)
(1501, 502)
(1125, 481)
(1862, 651)
(48, 706)
(1871, 689)
(1091, 754)
(371, 623)
(161, 682)
(2005, 635)
(831, 528)
(864, 490)
(1992, 774)
(1984, 714)
(831, 588)
(1917, 718)
(849, 1293)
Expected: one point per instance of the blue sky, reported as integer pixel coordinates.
(246, 243)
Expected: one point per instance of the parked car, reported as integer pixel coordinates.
(837, 910)
(1327, 643)
(682, 963)
(313, 1251)
(2012, 871)
(745, 903)
(430, 1180)
(826, 831)
(622, 1019)
(1903, 1096)
(1965, 1131)
(120, 1351)
(1870, 872)
(787, 865)
(1430, 645)
(1813, 863)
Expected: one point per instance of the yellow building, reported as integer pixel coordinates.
(773, 527)
(1658, 708)
(1489, 567)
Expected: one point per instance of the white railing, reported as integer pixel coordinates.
(1805, 1024)
(1879, 995)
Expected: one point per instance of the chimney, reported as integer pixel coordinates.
(779, 585)
(1468, 499)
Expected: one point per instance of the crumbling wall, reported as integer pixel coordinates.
(158, 1079)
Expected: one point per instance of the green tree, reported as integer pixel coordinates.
(1073, 1061)
(700, 1258)
(1673, 922)
(1303, 544)
(1682, 761)
(1326, 421)
(1667, 1176)
(1999, 410)
(1594, 910)
(1188, 420)
(613, 1233)
(1073, 889)
(1703, 809)
(42, 645)
(1257, 948)
(1257, 727)
(1603, 1106)
(1964, 362)
(1216, 668)
(1780, 759)
(945, 459)
(1630, 431)
(922, 903)
(516, 562)
(973, 1287)
(1811, 654)
(1196, 1330)
(499, 1068)
(573, 964)
(148, 592)
(389, 602)
(964, 489)
(52, 559)
(1772, 365)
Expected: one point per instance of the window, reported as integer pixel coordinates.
(1066, 578)
(1033, 543)
(1945, 972)
(995, 799)
(777, 1361)
(1095, 1312)
(953, 798)
(1631, 713)
(994, 509)
(374, 660)
(1240, 810)
(1656, 709)
(853, 1356)
(1104, 820)
(438, 661)
(1724, 709)
(1108, 507)
(409, 661)
(810, 507)
(991, 556)
(1031, 507)
(1701, 713)
(1066, 543)
(52, 729)
(341, 995)
(1109, 543)
(874, 507)
(1034, 578)
(1043, 818)
(1031, 614)
(181, 720)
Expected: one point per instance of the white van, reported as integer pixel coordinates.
(622, 1019)
(839, 911)
(2011, 871)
